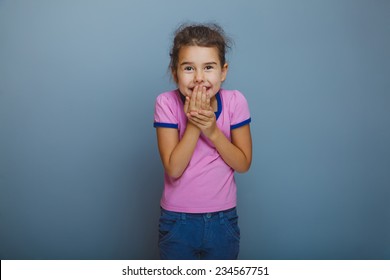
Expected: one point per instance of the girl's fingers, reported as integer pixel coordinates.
(203, 119)
(193, 99)
(198, 103)
(204, 98)
(199, 100)
(207, 113)
(198, 122)
(186, 104)
(208, 102)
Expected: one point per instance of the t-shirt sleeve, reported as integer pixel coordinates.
(164, 113)
(240, 111)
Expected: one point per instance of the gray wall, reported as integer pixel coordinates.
(80, 174)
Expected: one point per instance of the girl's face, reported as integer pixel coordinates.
(199, 66)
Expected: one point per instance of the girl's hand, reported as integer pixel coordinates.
(205, 120)
(199, 111)
(198, 100)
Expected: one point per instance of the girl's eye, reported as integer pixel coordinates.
(188, 68)
(209, 67)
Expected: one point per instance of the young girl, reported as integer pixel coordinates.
(203, 137)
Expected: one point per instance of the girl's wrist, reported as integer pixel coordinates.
(192, 128)
(213, 136)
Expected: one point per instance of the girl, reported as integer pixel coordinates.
(203, 136)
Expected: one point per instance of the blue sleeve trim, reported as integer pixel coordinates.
(168, 125)
(240, 124)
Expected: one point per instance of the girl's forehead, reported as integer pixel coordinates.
(197, 53)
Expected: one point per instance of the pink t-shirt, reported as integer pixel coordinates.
(207, 184)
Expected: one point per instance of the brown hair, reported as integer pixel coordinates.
(202, 35)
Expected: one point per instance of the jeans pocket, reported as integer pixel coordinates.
(168, 226)
(231, 222)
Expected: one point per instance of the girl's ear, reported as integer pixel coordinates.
(225, 69)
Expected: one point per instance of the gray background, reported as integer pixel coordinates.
(80, 174)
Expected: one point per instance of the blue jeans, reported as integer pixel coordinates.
(208, 236)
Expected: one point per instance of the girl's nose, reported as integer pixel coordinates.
(199, 77)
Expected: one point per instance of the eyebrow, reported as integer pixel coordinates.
(207, 63)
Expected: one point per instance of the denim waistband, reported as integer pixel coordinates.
(183, 216)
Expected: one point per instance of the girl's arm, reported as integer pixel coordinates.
(175, 153)
(237, 153)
